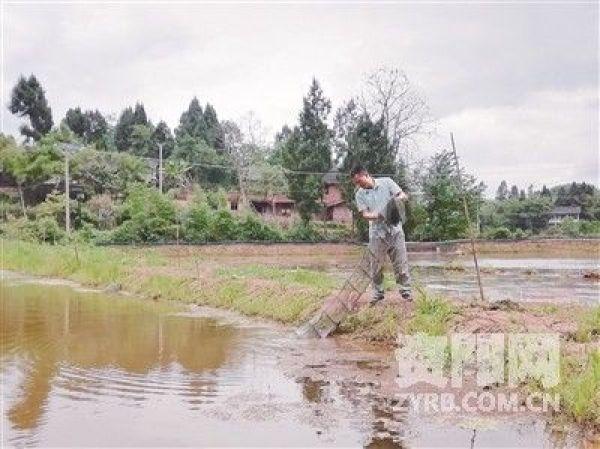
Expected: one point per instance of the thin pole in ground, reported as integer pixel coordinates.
(67, 196)
(466, 207)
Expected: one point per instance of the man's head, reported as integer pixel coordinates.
(361, 177)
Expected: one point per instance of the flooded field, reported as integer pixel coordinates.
(545, 279)
(83, 368)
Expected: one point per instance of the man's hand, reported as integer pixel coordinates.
(402, 196)
(371, 215)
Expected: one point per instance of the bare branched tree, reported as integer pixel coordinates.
(391, 97)
(244, 141)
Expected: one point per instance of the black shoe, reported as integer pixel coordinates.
(378, 296)
(406, 295)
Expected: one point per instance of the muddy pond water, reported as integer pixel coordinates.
(83, 368)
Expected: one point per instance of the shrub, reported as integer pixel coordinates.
(148, 216)
(500, 233)
(196, 223)
(590, 228)
(217, 199)
(252, 228)
(223, 226)
(303, 233)
(569, 227)
(44, 229)
(104, 210)
(520, 234)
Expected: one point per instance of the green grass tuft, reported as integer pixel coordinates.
(432, 315)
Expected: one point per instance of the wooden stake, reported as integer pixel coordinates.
(466, 207)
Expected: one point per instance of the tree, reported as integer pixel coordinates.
(208, 167)
(389, 96)
(139, 115)
(32, 165)
(123, 129)
(502, 192)
(308, 150)
(191, 122)
(14, 162)
(29, 99)
(75, 120)
(90, 126)
(443, 198)
(162, 135)
(125, 125)
(546, 191)
(241, 154)
(141, 142)
(514, 192)
(244, 142)
(213, 134)
(102, 172)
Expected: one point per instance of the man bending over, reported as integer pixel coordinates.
(373, 198)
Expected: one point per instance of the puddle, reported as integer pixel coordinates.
(83, 368)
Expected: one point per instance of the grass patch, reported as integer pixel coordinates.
(432, 315)
(287, 276)
(580, 389)
(273, 303)
(85, 264)
(293, 297)
(589, 326)
(546, 309)
(165, 287)
(374, 323)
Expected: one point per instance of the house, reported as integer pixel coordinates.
(280, 206)
(559, 213)
(276, 205)
(334, 206)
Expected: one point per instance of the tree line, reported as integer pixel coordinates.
(376, 128)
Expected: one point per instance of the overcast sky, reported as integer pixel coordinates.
(516, 83)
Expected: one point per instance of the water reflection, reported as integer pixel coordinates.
(82, 369)
(96, 345)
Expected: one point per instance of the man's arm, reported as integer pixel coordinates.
(363, 209)
(396, 190)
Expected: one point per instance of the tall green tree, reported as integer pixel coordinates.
(90, 126)
(28, 99)
(442, 196)
(514, 193)
(213, 134)
(502, 192)
(163, 135)
(191, 122)
(308, 149)
(33, 165)
(141, 142)
(124, 129)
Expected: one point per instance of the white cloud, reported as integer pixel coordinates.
(514, 82)
(550, 137)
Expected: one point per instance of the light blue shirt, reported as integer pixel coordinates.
(375, 200)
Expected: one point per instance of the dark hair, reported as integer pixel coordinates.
(356, 169)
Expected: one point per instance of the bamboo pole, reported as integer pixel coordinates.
(466, 207)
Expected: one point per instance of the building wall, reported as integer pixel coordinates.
(342, 214)
(333, 194)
